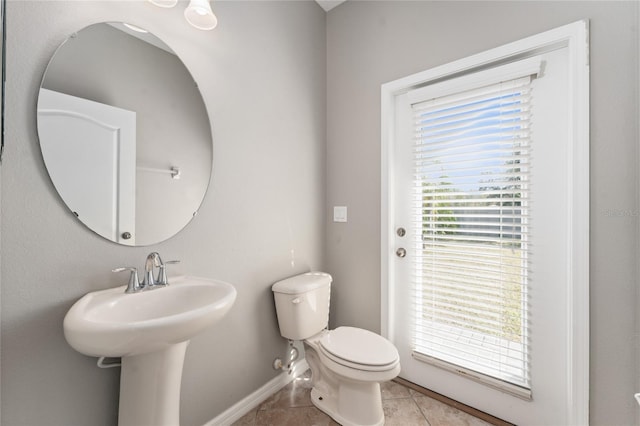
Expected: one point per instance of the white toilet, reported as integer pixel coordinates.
(347, 364)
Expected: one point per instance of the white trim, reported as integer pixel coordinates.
(637, 208)
(574, 37)
(578, 288)
(387, 297)
(242, 407)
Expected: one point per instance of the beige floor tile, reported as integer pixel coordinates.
(439, 414)
(295, 394)
(248, 419)
(301, 416)
(292, 406)
(393, 390)
(414, 393)
(402, 412)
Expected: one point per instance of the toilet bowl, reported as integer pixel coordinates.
(346, 375)
(347, 364)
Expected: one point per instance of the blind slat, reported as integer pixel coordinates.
(467, 107)
(509, 349)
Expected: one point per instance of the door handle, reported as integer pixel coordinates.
(401, 252)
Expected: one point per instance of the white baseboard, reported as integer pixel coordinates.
(242, 407)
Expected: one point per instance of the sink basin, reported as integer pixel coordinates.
(114, 324)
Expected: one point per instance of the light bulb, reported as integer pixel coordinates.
(200, 15)
(164, 3)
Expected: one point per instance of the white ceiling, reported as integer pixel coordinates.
(327, 5)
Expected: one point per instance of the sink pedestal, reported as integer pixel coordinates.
(150, 387)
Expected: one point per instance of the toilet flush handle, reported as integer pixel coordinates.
(296, 301)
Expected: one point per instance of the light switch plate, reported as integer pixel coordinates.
(339, 213)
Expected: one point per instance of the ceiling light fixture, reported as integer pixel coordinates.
(198, 13)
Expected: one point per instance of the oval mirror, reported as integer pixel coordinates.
(124, 134)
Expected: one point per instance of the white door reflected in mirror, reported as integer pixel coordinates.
(97, 182)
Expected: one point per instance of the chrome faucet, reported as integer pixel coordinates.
(149, 282)
(153, 260)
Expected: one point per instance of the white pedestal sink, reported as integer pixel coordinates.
(150, 330)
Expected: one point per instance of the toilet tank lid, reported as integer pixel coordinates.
(302, 283)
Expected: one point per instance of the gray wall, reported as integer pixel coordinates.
(262, 74)
(370, 43)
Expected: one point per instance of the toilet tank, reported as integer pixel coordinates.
(302, 304)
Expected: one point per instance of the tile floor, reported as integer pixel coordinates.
(292, 406)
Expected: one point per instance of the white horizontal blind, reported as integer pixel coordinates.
(471, 232)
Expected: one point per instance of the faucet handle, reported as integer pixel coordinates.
(133, 285)
(162, 272)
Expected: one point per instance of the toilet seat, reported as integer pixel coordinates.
(359, 349)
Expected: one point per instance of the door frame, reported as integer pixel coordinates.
(575, 38)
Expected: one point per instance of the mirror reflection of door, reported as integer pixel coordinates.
(98, 181)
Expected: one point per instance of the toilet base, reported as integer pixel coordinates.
(352, 413)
